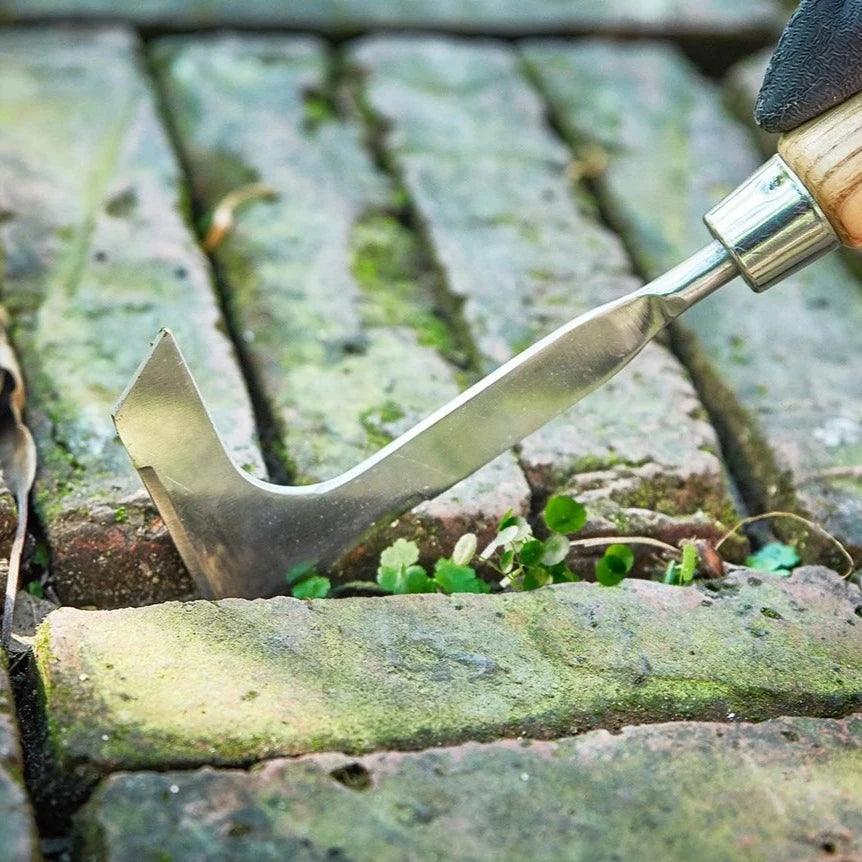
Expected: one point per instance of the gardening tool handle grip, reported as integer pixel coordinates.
(826, 154)
(816, 65)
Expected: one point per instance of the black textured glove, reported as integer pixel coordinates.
(817, 64)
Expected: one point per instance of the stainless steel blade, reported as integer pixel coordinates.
(240, 536)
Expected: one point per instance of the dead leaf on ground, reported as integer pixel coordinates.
(223, 215)
(17, 465)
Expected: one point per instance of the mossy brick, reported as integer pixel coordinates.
(98, 257)
(236, 681)
(525, 252)
(18, 841)
(340, 314)
(735, 20)
(775, 369)
(784, 789)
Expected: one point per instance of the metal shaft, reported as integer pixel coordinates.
(532, 388)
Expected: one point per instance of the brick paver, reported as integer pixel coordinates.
(235, 681)
(98, 256)
(773, 368)
(785, 789)
(428, 223)
(734, 19)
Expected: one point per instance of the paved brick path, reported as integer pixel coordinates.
(428, 222)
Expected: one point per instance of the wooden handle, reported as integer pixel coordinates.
(826, 154)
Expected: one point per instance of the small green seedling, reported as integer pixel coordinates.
(681, 574)
(306, 583)
(400, 573)
(775, 557)
(617, 562)
(527, 563)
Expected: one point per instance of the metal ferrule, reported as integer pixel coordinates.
(771, 225)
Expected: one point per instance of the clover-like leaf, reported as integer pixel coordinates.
(774, 557)
(404, 579)
(616, 563)
(531, 552)
(465, 549)
(607, 573)
(314, 587)
(561, 573)
(556, 549)
(388, 578)
(536, 577)
(400, 553)
(507, 561)
(415, 580)
(452, 578)
(564, 515)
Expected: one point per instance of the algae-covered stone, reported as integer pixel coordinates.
(785, 789)
(466, 133)
(774, 368)
(340, 313)
(235, 681)
(734, 19)
(98, 257)
(525, 252)
(18, 840)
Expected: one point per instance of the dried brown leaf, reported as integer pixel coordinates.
(223, 215)
(17, 465)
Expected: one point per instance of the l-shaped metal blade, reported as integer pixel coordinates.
(239, 536)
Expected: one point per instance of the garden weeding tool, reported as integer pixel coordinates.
(239, 536)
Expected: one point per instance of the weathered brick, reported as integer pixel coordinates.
(737, 19)
(231, 682)
(99, 256)
(785, 789)
(340, 314)
(525, 252)
(773, 368)
(17, 830)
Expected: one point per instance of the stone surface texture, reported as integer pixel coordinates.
(785, 789)
(339, 315)
(98, 257)
(773, 368)
(741, 86)
(525, 252)
(233, 682)
(739, 19)
(17, 829)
